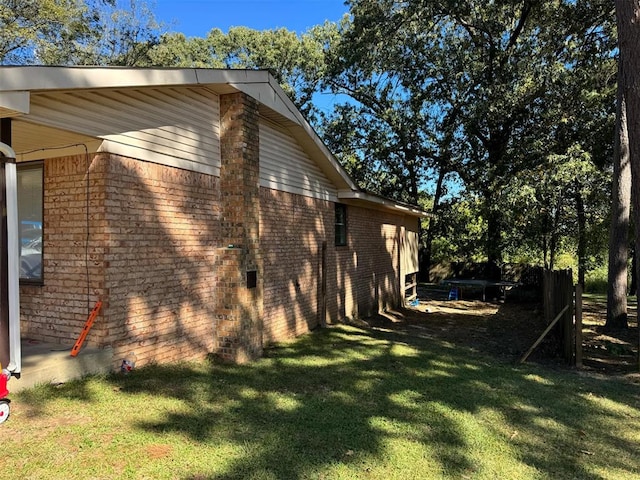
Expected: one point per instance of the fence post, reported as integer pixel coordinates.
(547, 289)
(578, 326)
(558, 294)
(566, 298)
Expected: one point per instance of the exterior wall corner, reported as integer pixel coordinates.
(239, 323)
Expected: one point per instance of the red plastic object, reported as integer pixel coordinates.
(85, 330)
(5, 409)
(3, 385)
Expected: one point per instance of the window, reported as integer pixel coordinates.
(30, 207)
(341, 224)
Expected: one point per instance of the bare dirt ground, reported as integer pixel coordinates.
(507, 330)
(608, 352)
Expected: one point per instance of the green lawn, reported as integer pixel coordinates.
(339, 403)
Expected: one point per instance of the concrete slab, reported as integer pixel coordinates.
(53, 363)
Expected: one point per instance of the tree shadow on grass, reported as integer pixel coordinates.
(305, 407)
(392, 400)
(344, 396)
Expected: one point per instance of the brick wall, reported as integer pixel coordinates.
(239, 304)
(367, 268)
(73, 271)
(153, 238)
(292, 229)
(160, 240)
(159, 255)
(362, 277)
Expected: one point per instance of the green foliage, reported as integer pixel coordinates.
(126, 36)
(77, 32)
(538, 204)
(386, 122)
(176, 50)
(459, 231)
(29, 27)
(596, 280)
(296, 61)
(511, 100)
(487, 90)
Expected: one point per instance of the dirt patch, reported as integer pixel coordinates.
(507, 330)
(609, 352)
(159, 451)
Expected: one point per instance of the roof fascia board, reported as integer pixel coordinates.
(35, 78)
(15, 102)
(381, 202)
(265, 94)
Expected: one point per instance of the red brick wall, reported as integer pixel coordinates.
(154, 233)
(159, 258)
(361, 276)
(239, 310)
(57, 311)
(292, 229)
(367, 268)
(161, 247)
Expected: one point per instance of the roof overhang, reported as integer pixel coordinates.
(40, 78)
(13, 104)
(360, 198)
(19, 83)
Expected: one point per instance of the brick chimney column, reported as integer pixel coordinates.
(239, 269)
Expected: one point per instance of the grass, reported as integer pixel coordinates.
(339, 403)
(597, 280)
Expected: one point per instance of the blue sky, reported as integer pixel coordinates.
(198, 17)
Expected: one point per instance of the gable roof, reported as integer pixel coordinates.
(29, 94)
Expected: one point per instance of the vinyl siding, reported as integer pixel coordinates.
(410, 249)
(284, 166)
(177, 127)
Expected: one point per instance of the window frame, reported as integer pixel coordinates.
(33, 165)
(340, 225)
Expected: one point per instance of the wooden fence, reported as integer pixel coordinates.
(559, 292)
(563, 315)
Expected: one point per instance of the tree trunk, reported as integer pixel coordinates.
(496, 147)
(545, 240)
(494, 235)
(633, 288)
(582, 234)
(425, 266)
(619, 229)
(628, 19)
(415, 190)
(553, 242)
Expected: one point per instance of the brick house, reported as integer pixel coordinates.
(198, 205)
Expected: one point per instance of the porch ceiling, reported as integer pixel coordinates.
(30, 140)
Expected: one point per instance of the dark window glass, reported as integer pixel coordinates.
(341, 224)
